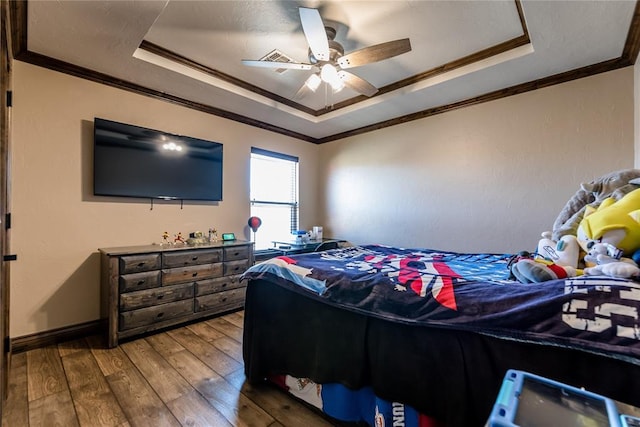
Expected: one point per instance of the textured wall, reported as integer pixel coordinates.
(58, 224)
(484, 178)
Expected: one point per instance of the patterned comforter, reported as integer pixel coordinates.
(467, 292)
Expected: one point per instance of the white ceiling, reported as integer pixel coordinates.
(212, 37)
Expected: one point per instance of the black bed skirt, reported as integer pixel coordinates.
(453, 376)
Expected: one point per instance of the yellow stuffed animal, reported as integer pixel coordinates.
(609, 232)
(605, 234)
(613, 223)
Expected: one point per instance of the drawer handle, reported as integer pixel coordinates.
(194, 274)
(141, 282)
(160, 296)
(224, 299)
(195, 258)
(224, 285)
(141, 264)
(160, 315)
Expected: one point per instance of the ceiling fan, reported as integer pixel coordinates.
(327, 58)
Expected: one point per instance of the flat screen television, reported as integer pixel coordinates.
(133, 161)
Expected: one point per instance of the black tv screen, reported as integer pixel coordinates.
(133, 161)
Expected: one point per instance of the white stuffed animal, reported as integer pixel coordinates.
(620, 269)
(564, 252)
(604, 259)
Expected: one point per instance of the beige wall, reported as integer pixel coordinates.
(484, 178)
(58, 224)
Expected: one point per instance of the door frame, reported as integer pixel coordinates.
(6, 63)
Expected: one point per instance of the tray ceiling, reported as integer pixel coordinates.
(463, 52)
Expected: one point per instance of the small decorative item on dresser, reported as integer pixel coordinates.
(196, 238)
(228, 237)
(213, 235)
(178, 240)
(165, 239)
(254, 223)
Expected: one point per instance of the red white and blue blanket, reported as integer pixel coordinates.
(467, 292)
(345, 404)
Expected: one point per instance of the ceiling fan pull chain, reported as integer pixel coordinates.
(326, 94)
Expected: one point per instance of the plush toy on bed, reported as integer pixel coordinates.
(540, 270)
(602, 219)
(603, 260)
(590, 195)
(553, 260)
(610, 232)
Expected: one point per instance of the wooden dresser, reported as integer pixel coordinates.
(144, 288)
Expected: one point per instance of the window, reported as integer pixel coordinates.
(274, 195)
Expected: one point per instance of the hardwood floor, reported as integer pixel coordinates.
(190, 376)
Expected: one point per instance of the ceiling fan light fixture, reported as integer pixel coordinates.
(329, 74)
(328, 55)
(313, 82)
(337, 85)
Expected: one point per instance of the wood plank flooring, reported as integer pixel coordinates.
(189, 376)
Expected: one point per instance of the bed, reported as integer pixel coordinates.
(394, 336)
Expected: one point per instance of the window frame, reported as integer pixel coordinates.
(294, 205)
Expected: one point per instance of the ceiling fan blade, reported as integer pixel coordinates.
(315, 33)
(277, 64)
(375, 53)
(356, 83)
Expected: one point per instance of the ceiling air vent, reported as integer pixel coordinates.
(276, 56)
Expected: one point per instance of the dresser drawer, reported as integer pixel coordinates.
(236, 252)
(197, 272)
(187, 258)
(155, 314)
(235, 267)
(225, 283)
(137, 281)
(221, 301)
(138, 263)
(161, 295)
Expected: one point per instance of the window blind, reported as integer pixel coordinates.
(274, 195)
